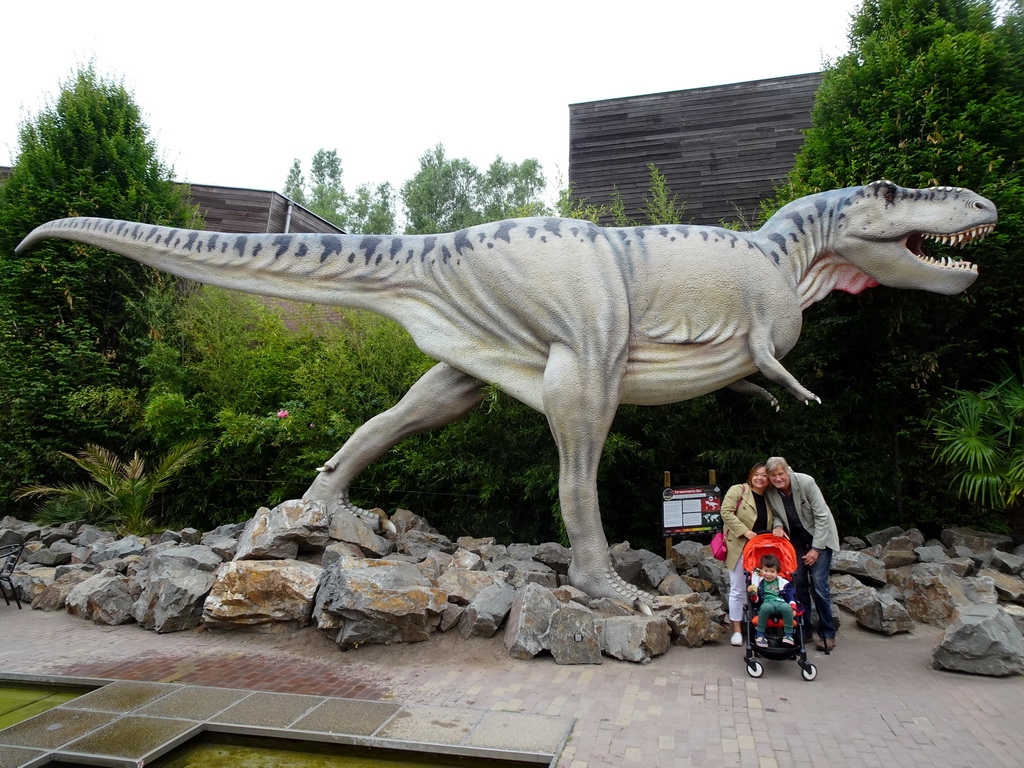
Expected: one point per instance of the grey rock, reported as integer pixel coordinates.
(1005, 562)
(169, 536)
(485, 614)
(1016, 614)
(1009, 588)
(609, 606)
(854, 543)
(89, 534)
(225, 547)
(882, 613)
(908, 540)
(522, 551)
(190, 536)
(103, 598)
(653, 570)
(465, 560)
(897, 558)
(976, 541)
(377, 601)
(50, 536)
(573, 636)
(406, 521)
(932, 554)
(475, 545)
(690, 621)
(262, 594)
(932, 594)
(348, 528)
(980, 590)
(434, 565)
(522, 572)
(54, 596)
(463, 587)
(450, 616)
(283, 532)
(555, 556)
(981, 640)
(420, 543)
(881, 538)
(633, 638)
(529, 621)
(868, 569)
(686, 554)
(336, 551)
(37, 552)
(673, 584)
(626, 561)
(176, 586)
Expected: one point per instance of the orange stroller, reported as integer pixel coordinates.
(756, 548)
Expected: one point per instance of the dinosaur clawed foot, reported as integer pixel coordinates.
(607, 583)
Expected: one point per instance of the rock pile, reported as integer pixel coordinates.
(296, 566)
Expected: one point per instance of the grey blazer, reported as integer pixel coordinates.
(811, 508)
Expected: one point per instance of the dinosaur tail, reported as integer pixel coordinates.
(300, 267)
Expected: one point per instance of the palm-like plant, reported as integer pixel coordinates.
(981, 435)
(122, 493)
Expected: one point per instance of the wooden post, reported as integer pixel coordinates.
(667, 479)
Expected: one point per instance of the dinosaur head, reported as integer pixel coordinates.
(880, 229)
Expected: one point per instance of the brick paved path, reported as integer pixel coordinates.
(876, 701)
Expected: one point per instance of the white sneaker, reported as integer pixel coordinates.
(737, 638)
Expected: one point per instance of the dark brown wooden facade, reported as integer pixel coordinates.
(722, 149)
(230, 209)
(248, 211)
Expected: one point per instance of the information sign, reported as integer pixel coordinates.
(691, 510)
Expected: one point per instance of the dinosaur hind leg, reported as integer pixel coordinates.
(580, 406)
(441, 396)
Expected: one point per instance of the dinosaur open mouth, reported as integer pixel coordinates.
(916, 240)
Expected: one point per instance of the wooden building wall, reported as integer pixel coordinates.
(229, 209)
(722, 149)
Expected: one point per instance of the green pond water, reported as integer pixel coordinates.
(239, 752)
(21, 701)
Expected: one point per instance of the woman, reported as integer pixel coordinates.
(745, 514)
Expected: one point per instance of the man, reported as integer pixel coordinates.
(812, 531)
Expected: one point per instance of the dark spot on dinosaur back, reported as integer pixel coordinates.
(283, 242)
(302, 250)
(332, 245)
(191, 240)
(502, 232)
(462, 241)
(240, 242)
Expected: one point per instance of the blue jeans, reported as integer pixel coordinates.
(812, 583)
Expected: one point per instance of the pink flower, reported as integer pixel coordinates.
(282, 414)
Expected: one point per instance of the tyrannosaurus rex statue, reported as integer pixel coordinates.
(574, 319)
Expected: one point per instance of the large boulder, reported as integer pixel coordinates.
(690, 622)
(976, 541)
(487, 611)
(529, 621)
(54, 596)
(377, 601)
(931, 593)
(349, 529)
(176, 586)
(868, 569)
(1009, 588)
(981, 640)
(104, 597)
(262, 594)
(286, 530)
(462, 587)
(573, 636)
(633, 638)
(881, 612)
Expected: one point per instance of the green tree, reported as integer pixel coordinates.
(295, 184)
(372, 210)
(67, 312)
(510, 190)
(327, 197)
(929, 93)
(442, 196)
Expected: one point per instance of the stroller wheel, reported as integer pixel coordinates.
(809, 672)
(755, 668)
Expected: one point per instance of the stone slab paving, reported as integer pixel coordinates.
(876, 701)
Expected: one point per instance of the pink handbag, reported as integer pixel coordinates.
(718, 548)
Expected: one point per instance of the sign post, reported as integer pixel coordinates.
(689, 511)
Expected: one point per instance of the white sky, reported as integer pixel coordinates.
(233, 92)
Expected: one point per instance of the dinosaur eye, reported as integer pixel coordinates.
(890, 196)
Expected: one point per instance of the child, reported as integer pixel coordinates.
(777, 598)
